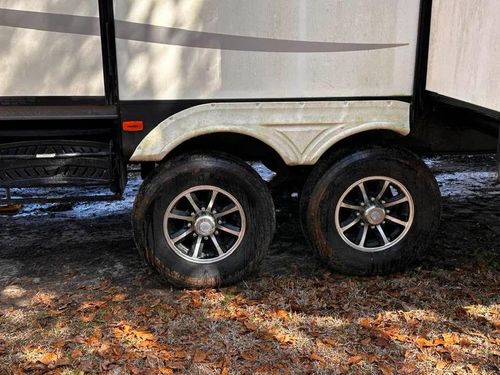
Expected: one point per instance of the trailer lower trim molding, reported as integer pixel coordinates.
(300, 132)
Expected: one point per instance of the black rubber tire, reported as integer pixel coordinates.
(307, 189)
(184, 172)
(330, 184)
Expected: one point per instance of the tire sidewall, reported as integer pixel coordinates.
(238, 180)
(410, 172)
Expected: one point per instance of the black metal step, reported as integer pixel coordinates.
(55, 163)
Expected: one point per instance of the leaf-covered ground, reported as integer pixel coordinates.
(75, 298)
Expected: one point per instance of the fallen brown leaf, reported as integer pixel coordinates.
(248, 356)
(120, 297)
(329, 341)
(441, 365)
(49, 358)
(424, 343)
(199, 356)
(386, 370)
(282, 314)
(250, 326)
(355, 359)
(165, 370)
(316, 357)
(76, 353)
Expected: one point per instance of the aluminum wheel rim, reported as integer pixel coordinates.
(374, 214)
(204, 224)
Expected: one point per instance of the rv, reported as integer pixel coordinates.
(336, 97)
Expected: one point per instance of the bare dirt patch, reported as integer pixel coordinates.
(75, 298)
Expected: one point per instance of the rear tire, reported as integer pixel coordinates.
(371, 234)
(204, 221)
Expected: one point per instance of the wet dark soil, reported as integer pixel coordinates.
(65, 245)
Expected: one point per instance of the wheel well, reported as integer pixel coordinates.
(250, 148)
(383, 138)
(243, 146)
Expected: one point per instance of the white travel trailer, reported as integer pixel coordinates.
(334, 96)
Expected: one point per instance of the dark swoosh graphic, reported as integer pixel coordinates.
(174, 36)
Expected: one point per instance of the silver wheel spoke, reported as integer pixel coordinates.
(395, 203)
(382, 234)
(182, 236)
(187, 232)
(350, 206)
(229, 230)
(397, 221)
(384, 188)
(363, 191)
(216, 244)
(227, 212)
(197, 247)
(350, 225)
(192, 202)
(363, 237)
(180, 217)
(212, 201)
(372, 227)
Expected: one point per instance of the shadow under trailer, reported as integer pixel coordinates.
(336, 98)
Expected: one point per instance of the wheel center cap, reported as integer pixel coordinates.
(205, 225)
(374, 215)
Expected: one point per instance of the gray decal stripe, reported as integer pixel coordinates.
(175, 36)
(60, 23)
(187, 38)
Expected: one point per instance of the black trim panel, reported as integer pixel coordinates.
(422, 60)
(73, 112)
(464, 105)
(52, 100)
(108, 42)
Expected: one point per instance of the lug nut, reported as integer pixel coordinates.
(220, 222)
(358, 214)
(205, 238)
(372, 199)
(216, 232)
(195, 235)
(193, 214)
(214, 212)
(189, 225)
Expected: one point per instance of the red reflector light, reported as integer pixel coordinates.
(133, 126)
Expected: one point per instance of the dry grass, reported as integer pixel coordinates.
(437, 321)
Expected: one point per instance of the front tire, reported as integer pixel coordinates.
(204, 221)
(372, 212)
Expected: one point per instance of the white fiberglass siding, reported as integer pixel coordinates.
(175, 64)
(464, 60)
(47, 63)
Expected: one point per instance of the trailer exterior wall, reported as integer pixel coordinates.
(187, 55)
(464, 51)
(47, 63)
